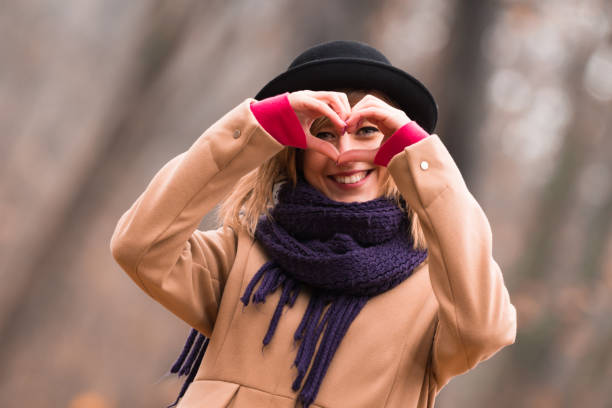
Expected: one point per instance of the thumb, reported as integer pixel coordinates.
(359, 155)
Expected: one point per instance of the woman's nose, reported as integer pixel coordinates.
(345, 142)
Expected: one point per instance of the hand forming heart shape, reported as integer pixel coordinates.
(309, 105)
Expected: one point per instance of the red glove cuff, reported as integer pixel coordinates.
(408, 134)
(278, 118)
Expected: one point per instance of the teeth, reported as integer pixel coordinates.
(354, 178)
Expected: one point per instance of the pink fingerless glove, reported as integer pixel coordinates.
(408, 134)
(278, 118)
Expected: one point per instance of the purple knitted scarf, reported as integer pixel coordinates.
(343, 254)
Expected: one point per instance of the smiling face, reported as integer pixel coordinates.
(349, 182)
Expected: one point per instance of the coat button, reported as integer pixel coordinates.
(236, 133)
(424, 165)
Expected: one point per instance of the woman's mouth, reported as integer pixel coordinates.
(352, 179)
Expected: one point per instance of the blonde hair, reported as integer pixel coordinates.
(253, 195)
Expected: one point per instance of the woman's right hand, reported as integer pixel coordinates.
(310, 105)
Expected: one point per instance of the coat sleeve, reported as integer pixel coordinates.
(475, 316)
(156, 241)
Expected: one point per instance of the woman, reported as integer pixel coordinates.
(353, 268)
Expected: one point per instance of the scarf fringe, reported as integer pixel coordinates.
(311, 332)
(344, 312)
(330, 325)
(195, 346)
(186, 348)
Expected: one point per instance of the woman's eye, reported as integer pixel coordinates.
(326, 135)
(368, 130)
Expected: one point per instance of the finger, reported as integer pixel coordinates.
(335, 102)
(358, 155)
(322, 147)
(371, 101)
(374, 114)
(342, 110)
(321, 108)
(347, 105)
(342, 101)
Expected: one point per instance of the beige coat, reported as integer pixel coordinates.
(402, 348)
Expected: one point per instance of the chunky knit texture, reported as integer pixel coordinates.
(343, 254)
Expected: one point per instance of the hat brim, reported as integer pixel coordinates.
(338, 73)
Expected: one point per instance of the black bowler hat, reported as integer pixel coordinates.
(355, 65)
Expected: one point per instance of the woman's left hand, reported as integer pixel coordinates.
(387, 118)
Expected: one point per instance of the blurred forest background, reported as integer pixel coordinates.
(96, 95)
